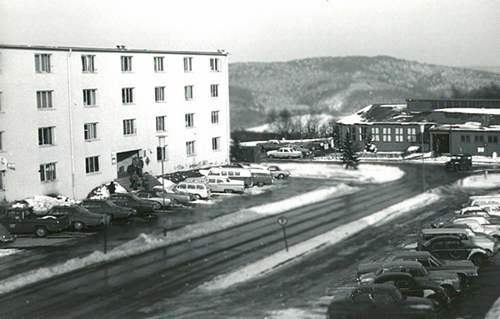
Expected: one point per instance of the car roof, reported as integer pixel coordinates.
(387, 287)
(435, 231)
(402, 263)
(412, 253)
(392, 274)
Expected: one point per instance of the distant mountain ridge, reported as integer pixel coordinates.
(339, 85)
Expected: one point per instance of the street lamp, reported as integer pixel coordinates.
(422, 128)
(161, 143)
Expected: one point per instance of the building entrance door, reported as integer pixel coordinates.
(441, 143)
(127, 163)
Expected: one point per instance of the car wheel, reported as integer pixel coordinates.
(78, 226)
(41, 231)
(260, 184)
(281, 176)
(477, 259)
(197, 196)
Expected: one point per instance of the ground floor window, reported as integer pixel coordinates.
(216, 143)
(190, 148)
(2, 179)
(47, 172)
(479, 139)
(411, 135)
(492, 139)
(92, 164)
(398, 134)
(375, 134)
(161, 153)
(465, 139)
(386, 134)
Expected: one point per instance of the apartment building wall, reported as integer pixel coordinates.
(19, 83)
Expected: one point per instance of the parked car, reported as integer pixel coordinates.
(284, 152)
(107, 207)
(485, 200)
(79, 217)
(24, 221)
(153, 196)
(261, 179)
(278, 173)
(234, 173)
(459, 162)
(5, 235)
(448, 280)
(225, 185)
(176, 197)
(452, 247)
(199, 190)
(412, 287)
(379, 301)
(142, 206)
(480, 224)
(465, 269)
(305, 151)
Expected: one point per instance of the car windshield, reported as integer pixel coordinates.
(134, 197)
(435, 261)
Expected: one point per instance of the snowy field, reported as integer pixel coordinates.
(366, 173)
(483, 181)
(8, 252)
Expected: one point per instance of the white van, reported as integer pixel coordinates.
(236, 173)
(198, 189)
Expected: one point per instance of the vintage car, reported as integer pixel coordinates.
(107, 207)
(379, 301)
(459, 162)
(452, 247)
(199, 190)
(448, 280)
(79, 217)
(142, 206)
(409, 286)
(278, 173)
(5, 235)
(24, 221)
(284, 152)
(176, 197)
(225, 185)
(480, 224)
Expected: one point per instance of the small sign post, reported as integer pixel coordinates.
(282, 221)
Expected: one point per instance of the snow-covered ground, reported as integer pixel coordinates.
(298, 251)
(146, 242)
(483, 181)
(8, 252)
(366, 173)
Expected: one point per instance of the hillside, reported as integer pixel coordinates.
(339, 85)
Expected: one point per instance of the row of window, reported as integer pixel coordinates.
(44, 99)
(46, 135)
(479, 139)
(48, 170)
(43, 63)
(386, 134)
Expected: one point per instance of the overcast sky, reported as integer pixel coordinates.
(450, 32)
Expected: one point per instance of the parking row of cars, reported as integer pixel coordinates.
(422, 280)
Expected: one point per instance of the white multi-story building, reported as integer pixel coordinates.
(73, 118)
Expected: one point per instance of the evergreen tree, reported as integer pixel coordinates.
(349, 156)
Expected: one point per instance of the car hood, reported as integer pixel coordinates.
(364, 270)
(455, 265)
(419, 304)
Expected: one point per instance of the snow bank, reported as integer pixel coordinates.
(365, 173)
(301, 200)
(102, 191)
(272, 262)
(7, 252)
(484, 181)
(294, 313)
(42, 203)
(139, 245)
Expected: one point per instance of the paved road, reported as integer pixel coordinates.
(124, 288)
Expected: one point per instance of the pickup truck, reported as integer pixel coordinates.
(24, 221)
(285, 152)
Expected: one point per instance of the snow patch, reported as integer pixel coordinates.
(41, 203)
(8, 252)
(273, 262)
(365, 173)
(294, 313)
(465, 110)
(484, 181)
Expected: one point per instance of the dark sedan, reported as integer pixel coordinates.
(79, 217)
(142, 206)
(107, 207)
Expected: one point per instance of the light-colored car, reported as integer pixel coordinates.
(479, 225)
(234, 173)
(278, 173)
(225, 185)
(285, 152)
(198, 189)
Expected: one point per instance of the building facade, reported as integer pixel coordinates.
(470, 138)
(74, 118)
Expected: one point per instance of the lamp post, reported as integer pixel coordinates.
(422, 128)
(161, 143)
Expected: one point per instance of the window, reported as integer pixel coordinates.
(398, 137)
(1, 141)
(160, 123)
(492, 139)
(92, 164)
(386, 134)
(479, 139)
(129, 127)
(411, 134)
(160, 94)
(0, 102)
(214, 90)
(90, 131)
(42, 63)
(188, 92)
(2, 178)
(189, 119)
(128, 95)
(48, 172)
(215, 117)
(214, 65)
(46, 135)
(188, 64)
(89, 97)
(88, 63)
(375, 134)
(161, 153)
(44, 99)
(158, 63)
(216, 143)
(190, 150)
(126, 63)
(465, 139)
